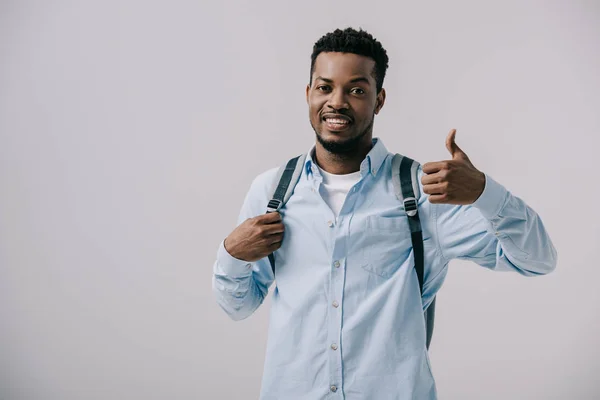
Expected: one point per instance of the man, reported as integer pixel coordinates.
(347, 313)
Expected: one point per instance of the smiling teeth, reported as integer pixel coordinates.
(336, 121)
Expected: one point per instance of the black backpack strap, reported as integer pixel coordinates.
(405, 179)
(286, 179)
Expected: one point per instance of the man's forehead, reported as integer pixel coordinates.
(335, 64)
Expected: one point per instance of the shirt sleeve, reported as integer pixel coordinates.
(240, 287)
(498, 231)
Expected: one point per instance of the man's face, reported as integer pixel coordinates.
(342, 101)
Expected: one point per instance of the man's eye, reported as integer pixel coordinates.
(358, 91)
(323, 87)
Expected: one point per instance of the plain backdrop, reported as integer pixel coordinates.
(130, 132)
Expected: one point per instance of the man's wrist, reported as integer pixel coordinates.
(230, 264)
(492, 199)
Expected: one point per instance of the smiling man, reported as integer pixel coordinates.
(347, 308)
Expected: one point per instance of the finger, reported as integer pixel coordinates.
(273, 228)
(437, 177)
(276, 238)
(433, 167)
(269, 217)
(438, 198)
(450, 143)
(454, 149)
(274, 246)
(437, 188)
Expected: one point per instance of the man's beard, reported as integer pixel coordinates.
(346, 147)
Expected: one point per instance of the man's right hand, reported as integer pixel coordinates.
(255, 238)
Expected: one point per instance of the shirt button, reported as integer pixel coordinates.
(249, 265)
(334, 346)
(337, 264)
(333, 388)
(335, 304)
(373, 170)
(330, 223)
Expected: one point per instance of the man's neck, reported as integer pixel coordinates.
(340, 164)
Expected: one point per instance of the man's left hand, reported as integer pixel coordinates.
(454, 181)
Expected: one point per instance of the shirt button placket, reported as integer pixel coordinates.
(336, 289)
(335, 355)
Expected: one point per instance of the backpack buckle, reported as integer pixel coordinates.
(274, 205)
(410, 206)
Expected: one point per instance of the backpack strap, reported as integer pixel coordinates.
(286, 179)
(406, 186)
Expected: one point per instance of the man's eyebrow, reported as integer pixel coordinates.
(358, 79)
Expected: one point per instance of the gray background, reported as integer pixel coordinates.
(131, 130)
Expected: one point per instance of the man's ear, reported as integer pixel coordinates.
(380, 101)
(307, 90)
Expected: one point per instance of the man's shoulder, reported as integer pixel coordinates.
(264, 180)
(263, 185)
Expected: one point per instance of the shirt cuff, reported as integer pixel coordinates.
(492, 200)
(230, 265)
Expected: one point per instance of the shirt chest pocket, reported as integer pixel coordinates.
(386, 244)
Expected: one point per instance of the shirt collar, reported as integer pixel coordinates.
(371, 164)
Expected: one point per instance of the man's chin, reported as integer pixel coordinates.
(337, 143)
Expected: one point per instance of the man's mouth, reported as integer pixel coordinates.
(337, 122)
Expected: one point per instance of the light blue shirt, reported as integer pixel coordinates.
(346, 317)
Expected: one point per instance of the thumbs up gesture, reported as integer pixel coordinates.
(454, 181)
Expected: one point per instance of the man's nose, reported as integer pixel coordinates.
(338, 100)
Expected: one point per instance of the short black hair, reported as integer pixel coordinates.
(358, 42)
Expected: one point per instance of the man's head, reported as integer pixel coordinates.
(345, 90)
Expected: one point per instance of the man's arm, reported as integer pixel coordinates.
(477, 219)
(498, 231)
(240, 286)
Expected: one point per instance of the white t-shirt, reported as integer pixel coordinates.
(335, 188)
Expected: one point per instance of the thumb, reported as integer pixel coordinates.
(453, 148)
